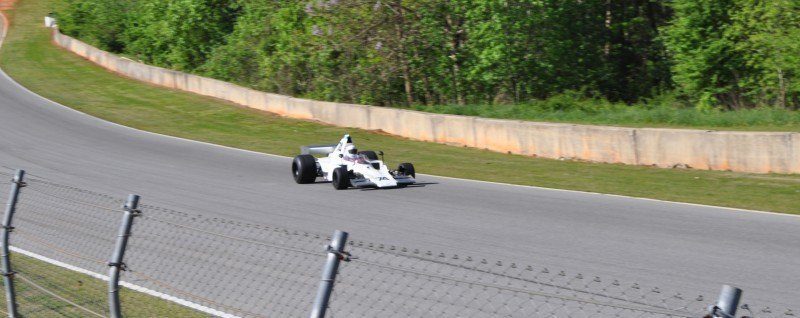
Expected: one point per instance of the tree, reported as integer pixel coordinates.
(736, 53)
(767, 36)
(179, 34)
(99, 22)
(394, 52)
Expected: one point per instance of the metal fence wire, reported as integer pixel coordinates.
(390, 281)
(47, 224)
(248, 270)
(64, 236)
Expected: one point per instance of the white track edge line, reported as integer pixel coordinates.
(138, 288)
(432, 175)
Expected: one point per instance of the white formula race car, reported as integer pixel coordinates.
(344, 166)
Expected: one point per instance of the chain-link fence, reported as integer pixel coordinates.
(61, 242)
(248, 270)
(184, 264)
(70, 226)
(397, 282)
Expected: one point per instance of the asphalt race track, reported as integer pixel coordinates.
(688, 248)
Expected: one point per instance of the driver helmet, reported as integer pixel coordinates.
(351, 149)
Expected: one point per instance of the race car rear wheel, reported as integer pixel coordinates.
(407, 169)
(304, 169)
(371, 155)
(341, 178)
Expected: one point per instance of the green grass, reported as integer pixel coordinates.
(83, 290)
(663, 112)
(31, 59)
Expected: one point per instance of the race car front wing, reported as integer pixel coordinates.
(361, 182)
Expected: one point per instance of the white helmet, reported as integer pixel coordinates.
(351, 149)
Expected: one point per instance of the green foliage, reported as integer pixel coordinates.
(667, 110)
(704, 60)
(729, 54)
(736, 53)
(266, 44)
(769, 41)
(99, 22)
(178, 34)
(398, 52)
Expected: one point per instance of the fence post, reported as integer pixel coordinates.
(8, 274)
(116, 264)
(335, 255)
(727, 303)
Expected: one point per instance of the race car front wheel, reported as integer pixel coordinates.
(407, 169)
(304, 169)
(341, 178)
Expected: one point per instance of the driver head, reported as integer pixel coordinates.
(351, 149)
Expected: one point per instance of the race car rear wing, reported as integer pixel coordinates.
(317, 149)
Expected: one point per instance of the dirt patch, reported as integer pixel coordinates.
(6, 4)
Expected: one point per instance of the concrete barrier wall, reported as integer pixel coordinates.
(716, 150)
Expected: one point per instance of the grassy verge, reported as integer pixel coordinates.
(663, 112)
(31, 59)
(41, 289)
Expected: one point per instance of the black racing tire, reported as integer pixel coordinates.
(341, 178)
(304, 169)
(407, 169)
(371, 155)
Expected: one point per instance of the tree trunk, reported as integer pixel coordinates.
(782, 89)
(429, 99)
(607, 46)
(402, 54)
(453, 28)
